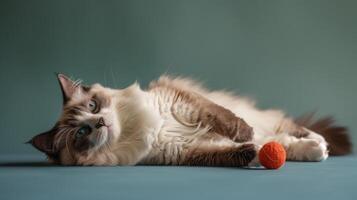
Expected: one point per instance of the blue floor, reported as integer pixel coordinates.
(28, 177)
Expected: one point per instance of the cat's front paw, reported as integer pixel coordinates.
(255, 161)
(247, 153)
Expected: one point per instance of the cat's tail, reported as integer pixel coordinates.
(336, 136)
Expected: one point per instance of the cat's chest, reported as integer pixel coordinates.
(173, 139)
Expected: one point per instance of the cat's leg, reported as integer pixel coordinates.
(191, 107)
(233, 156)
(310, 147)
(195, 110)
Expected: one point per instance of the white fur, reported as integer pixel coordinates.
(150, 134)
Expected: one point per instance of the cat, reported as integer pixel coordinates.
(176, 121)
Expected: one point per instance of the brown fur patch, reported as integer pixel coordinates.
(225, 122)
(222, 157)
(299, 133)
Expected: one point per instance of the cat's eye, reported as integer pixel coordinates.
(84, 130)
(93, 106)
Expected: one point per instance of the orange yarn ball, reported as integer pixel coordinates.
(272, 155)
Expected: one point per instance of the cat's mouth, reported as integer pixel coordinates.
(109, 128)
(101, 136)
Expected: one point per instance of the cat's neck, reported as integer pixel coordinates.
(139, 120)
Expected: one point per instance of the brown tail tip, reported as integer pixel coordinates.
(336, 136)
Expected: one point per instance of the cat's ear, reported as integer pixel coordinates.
(68, 87)
(44, 142)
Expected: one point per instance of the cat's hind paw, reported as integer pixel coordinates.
(308, 150)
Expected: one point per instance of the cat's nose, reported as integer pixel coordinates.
(100, 123)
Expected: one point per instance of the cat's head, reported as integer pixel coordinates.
(87, 125)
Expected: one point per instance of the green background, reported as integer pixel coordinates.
(295, 55)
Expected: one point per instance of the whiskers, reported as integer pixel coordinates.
(107, 146)
(113, 77)
(59, 137)
(99, 145)
(101, 140)
(67, 147)
(62, 140)
(77, 83)
(113, 81)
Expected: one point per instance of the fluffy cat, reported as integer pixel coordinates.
(177, 122)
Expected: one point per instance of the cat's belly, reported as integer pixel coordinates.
(168, 148)
(173, 143)
(170, 145)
